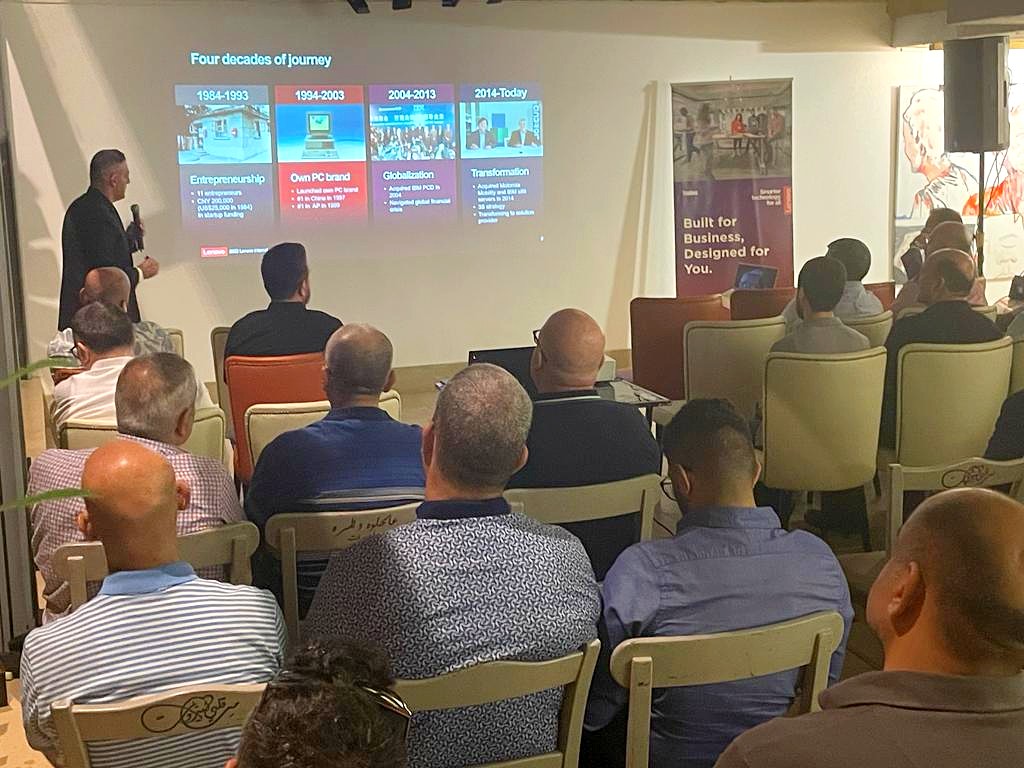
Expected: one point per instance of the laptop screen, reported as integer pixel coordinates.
(755, 276)
(515, 360)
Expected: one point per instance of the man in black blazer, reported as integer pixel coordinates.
(94, 236)
(579, 438)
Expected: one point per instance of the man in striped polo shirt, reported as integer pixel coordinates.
(154, 625)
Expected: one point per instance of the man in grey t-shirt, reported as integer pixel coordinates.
(820, 287)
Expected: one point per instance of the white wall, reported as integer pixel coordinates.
(85, 76)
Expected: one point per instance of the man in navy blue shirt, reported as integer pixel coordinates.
(356, 457)
(579, 438)
(730, 566)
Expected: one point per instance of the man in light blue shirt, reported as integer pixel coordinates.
(730, 566)
(856, 300)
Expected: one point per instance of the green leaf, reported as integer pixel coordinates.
(50, 362)
(54, 495)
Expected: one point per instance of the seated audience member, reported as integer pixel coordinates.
(819, 289)
(356, 457)
(946, 233)
(469, 581)
(856, 300)
(155, 403)
(610, 441)
(330, 706)
(155, 625)
(110, 284)
(730, 566)
(1007, 441)
(103, 344)
(946, 280)
(949, 610)
(286, 326)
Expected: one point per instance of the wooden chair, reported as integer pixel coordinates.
(228, 545)
(500, 680)
(884, 292)
(290, 534)
(558, 506)
(656, 336)
(177, 341)
(253, 380)
(760, 303)
(644, 664)
(875, 327)
(196, 710)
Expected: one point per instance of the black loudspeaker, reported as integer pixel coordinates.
(976, 95)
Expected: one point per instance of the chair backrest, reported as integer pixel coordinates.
(265, 421)
(252, 380)
(1017, 366)
(643, 664)
(207, 438)
(884, 292)
(218, 341)
(177, 340)
(195, 710)
(293, 533)
(229, 545)
(592, 502)
(759, 303)
(989, 310)
(726, 359)
(948, 399)
(501, 680)
(969, 473)
(875, 327)
(656, 336)
(821, 419)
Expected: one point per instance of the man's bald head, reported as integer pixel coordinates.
(946, 274)
(968, 546)
(132, 504)
(949, 234)
(357, 364)
(569, 352)
(108, 284)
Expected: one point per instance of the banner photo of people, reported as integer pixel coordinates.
(733, 159)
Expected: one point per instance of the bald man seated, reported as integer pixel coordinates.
(946, 280)
(110, 284)
(949, 610)
(948, 231)
(356, 457)
(154, 400)
(579, 438)
(154, 626)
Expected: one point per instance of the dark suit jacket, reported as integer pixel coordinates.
(515, 141)
(283, 328)
(473, 140)
(948, 322)
(93, 236)
(578, 438)
(1007, 441)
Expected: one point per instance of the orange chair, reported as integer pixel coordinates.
(656, 335)
(252, 380)
(761, 303)
(886, 293)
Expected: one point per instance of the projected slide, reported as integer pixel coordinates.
(260, 163)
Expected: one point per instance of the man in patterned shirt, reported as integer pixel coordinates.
(155, 403)
(469, 581)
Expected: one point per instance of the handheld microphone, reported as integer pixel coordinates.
(136, 219)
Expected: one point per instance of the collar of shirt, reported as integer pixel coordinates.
(821, 322)
(921, 690)
(147, 581)
(558, 397)
(360, 413)
(94, 193)
(109, 362)
(458, 509)
(164, 449)
(286, 306)
(952, 307)
(729, 517)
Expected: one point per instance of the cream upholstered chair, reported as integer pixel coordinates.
(265, 421)
(875, 327)
(726, 359)
(229, 545)
(821, 419)
(218, 340)
(1017, 366)
(592, 502)
(501, 680)
(643, 664)
(177, 341)
(154, 717)
(292, 534)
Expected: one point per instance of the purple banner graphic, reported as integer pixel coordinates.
(426, 190)
(732, 156)
(498, 190)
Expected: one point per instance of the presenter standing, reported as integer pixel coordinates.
(94, 235)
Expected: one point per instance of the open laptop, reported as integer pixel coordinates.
(515, 360)
(755, 277)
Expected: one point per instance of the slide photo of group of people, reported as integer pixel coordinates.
(732, 130)
(502, 129)
(412, 132)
